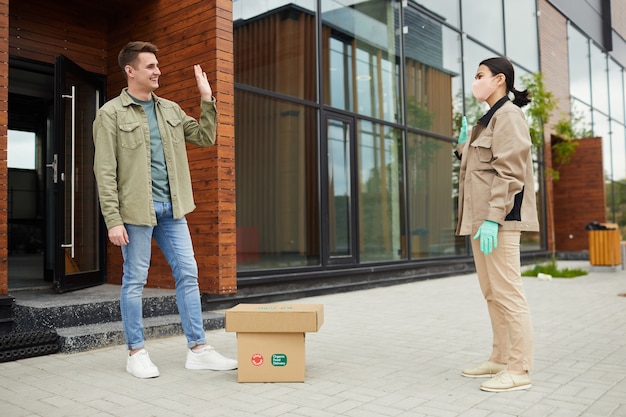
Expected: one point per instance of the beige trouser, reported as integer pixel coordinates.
(501, 283)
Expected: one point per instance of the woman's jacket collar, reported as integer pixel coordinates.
(487, 117)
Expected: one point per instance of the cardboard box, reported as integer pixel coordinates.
(271, 339)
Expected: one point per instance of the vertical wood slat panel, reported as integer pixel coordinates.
(4, 121)
(40, 30)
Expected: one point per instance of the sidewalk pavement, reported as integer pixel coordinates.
(392, 351)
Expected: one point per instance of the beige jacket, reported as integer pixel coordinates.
(122, 157)
(496, 179)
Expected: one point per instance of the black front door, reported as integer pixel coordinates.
(78, 237)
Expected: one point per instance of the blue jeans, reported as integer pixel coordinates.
(174, 239)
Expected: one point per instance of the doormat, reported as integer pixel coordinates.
(16, 345)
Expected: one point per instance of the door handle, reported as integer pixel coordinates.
(53, 165)
(73, 172)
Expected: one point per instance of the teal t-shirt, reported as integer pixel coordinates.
(160, 182)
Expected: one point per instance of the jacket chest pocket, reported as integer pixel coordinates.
(482, 145)
(175, 126)
(130, 135)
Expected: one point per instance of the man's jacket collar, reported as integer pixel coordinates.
(127, 100)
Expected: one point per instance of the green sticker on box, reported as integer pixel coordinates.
(279, 359)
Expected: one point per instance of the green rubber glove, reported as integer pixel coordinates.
(463, 132)
(488, 234)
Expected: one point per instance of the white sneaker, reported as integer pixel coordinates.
(141, 366)
(210, 359)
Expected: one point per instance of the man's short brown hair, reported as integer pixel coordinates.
(129, 53)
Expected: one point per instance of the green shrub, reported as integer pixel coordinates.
(551, 269)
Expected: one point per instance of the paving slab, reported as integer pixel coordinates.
(389, 351)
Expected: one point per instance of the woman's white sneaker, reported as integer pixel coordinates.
(141, 366)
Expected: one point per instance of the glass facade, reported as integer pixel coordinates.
(597, 88)
(346, 114)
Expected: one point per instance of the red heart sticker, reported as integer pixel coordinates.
(257, 359)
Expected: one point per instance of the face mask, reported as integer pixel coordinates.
(483, 88)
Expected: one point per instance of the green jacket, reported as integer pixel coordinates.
(122, 157)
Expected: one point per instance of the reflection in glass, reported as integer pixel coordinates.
(483, 21)
(339, 195)
(474, 55)
(581, 116)
(277, 189)
(274, 47)
(21, 149)
(359, 49)
(520, 22)
(616, 91)
(432, 211)
(432, 69)
(578, 53)
(599, 80)
(618, 152)
(601, 128)
(530, 241)
(82, 210)
(446, 10)
(380, 193)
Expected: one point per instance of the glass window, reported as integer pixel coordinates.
(618, 152)
(340, 196)
(277, 188)
(360, 67)
(520, 20)
(381, 213)
(274, 46)
(446, 10)
(578, 55)
(530, 241)
(599, 80)
(475, 16)
(616, 91)
(601, 128)
(581, 116)
(616, 184)
(474, 55)
(433, 70)
(432, 212)
(22, 149)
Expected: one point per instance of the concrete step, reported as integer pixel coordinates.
(93, 336)
(90, 318)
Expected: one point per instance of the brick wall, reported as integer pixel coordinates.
(197, 32)
(579, 196)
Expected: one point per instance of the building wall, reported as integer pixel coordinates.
(554, 63)
(187, 32)
(40, 30)
(618, 17)
(579, 196)
(4, 122)
(196, 33)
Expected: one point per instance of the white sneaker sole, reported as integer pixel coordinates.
(200, 366)
(147, 376)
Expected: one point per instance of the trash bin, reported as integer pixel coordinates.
(604, 244)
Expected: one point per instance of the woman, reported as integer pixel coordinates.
(497, 203)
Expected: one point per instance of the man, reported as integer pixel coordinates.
(144, 186)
